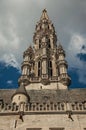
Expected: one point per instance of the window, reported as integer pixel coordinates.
(33, 128)
(56, 128)
(19, 97)
(48, 27)
(39, 43)
(49, 43)
(50, 68)
(39, 68)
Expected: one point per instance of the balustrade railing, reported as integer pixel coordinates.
(45, 107)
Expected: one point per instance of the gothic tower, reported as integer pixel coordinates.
(44, 65)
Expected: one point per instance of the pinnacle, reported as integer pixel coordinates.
(44, 15)
(59, 45)
(44, 10)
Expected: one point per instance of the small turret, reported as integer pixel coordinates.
(62, 66)
(27, 66)
(20, 96)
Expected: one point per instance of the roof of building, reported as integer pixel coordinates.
(21, 90)
(73, 95)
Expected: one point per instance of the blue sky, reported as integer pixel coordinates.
(17, 26)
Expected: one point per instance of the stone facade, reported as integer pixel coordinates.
(43, 100)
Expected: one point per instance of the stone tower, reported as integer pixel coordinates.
(45, 63)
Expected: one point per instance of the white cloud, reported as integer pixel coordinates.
(76, 43)
(8, 35)
(10, 82)
(10, 60)
(3, 41)
(74, 48)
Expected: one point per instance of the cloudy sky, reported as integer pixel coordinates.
(17, 25)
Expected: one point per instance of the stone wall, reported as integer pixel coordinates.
(51, 86)
(44, 121)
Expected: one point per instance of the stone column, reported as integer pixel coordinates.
(36, 68)
(54, 71)
(44, 67)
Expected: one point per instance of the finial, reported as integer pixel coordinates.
(44, 15)
(44, 10)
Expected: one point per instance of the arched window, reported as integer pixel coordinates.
(39, 68)
(49, 46)
(48, 27)
(39, 43)
(50, 68)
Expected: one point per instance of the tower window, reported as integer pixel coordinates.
(19, 97)
(39, 64)
(50, 68)
(50, 64)
(49, 43)
(48, 26)
(39, 68)
(39, 43)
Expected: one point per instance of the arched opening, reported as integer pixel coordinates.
(49, 46)
(39, 43)
(50, 68)
(39, 68)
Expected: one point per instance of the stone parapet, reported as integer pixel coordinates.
(44, 107)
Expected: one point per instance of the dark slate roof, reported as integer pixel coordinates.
(21, 90)
(6, 94)
(73, 95)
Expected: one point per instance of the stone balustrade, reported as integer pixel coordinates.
(78, 106)
(45, 107)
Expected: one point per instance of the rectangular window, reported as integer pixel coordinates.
(33, 129)
(56, 128)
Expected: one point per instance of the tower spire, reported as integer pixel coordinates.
(45, 63)
(44, 15)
